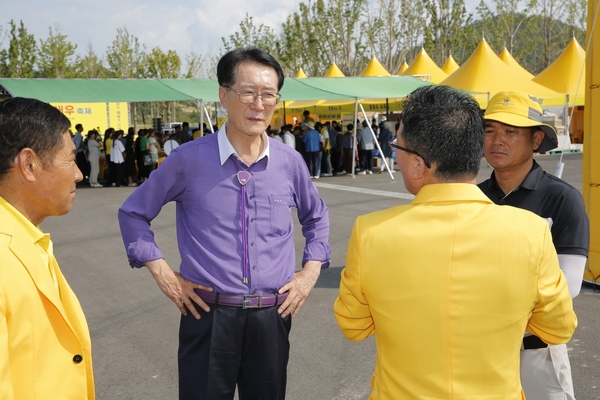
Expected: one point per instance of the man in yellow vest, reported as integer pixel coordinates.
(45, 349)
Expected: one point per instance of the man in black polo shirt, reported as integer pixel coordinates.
(513, 132)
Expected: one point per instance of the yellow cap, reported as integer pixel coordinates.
(521, 110)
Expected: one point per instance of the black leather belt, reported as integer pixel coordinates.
(533, 342)
(243, 301)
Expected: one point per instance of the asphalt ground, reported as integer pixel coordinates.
(134, 327)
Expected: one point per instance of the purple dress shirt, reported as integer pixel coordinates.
(202, 179)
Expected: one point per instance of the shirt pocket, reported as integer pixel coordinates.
(281, 214)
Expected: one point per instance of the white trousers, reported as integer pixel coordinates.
(546, 373)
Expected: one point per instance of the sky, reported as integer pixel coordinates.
(180, 25)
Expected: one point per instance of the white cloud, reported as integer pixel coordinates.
(180, 25)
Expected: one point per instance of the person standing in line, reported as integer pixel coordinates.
(237, 289)
(82, 162)
(107, 148)
(514, 131)
(312, 146)
(365, 152)
(45, 344)
(348, 149)
(94, 146)
(186, 134)
(287, 136)
(449, 298)
(385, 135)
(326, 157)
(130, 157)
(117, 157)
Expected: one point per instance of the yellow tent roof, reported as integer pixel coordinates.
(425, 68)
(374, 68)
(485, 72)
(300, 74)
(334, 72)
(450, 66)
(511, 62)
(567, 73)
(403, 68)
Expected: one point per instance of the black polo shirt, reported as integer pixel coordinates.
(553, 199)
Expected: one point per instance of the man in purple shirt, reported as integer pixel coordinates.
(237, 288)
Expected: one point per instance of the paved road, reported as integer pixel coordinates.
(134, 327)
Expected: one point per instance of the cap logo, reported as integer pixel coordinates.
(506, 101)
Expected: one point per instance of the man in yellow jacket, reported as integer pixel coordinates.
(45, 349)
(449, 283)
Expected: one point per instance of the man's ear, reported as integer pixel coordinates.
(538, 138)
(417, 168)
(222, 96)
(28, 164)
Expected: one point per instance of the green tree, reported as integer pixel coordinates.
(577, 18)
(502, 23)
(125, 55)
(201, 66)
(90, 65)
(249, 34)
(323, 33)
(447, 30)
(392, 30)
(549, 32)
(19, 60)
(158, 64)
(55, 55)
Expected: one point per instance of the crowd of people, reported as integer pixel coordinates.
(125, 159)
(328, 148)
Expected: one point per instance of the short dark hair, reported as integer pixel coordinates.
(446, 127)
(30, 123)
(227, 65)
(79, 126)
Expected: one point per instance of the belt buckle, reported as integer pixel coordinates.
(248, 298)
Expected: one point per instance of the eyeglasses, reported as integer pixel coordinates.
(249, 97)
(394, 143)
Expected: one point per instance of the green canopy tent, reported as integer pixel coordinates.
(92, 90)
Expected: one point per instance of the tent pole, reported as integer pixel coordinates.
(354, 137)
(208, 119)
(201, 116)
(377, 143)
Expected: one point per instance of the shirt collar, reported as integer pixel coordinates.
(33, 231)
(226, 148)
(444, 192)
(531, 181)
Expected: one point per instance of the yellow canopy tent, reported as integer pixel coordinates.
(511, 62)
(300, 74)
(375, 68)
(485, 72)
(403, 68)
(450, 66)
(567, 74)
(334, 72)
(424, 68)
(591, 144)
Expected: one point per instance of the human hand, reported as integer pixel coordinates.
(300, 288)
(177, 288)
